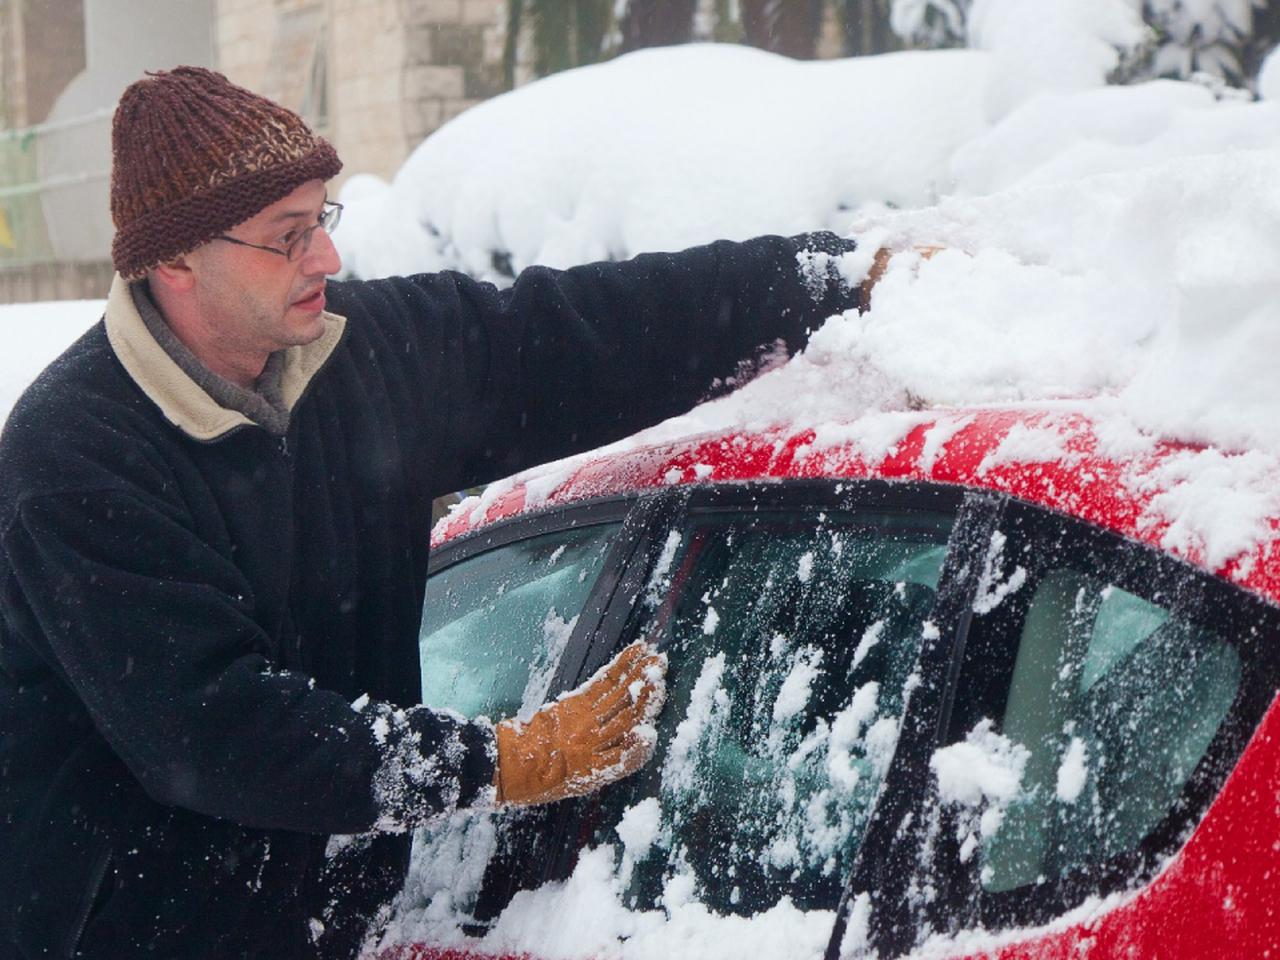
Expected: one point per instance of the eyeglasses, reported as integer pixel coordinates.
(293, 248)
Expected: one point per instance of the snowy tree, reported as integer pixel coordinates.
(654, 23)
(1222, 38)
(545, 36)
(930, 23)
(1225, 40)
(554, 35)
(790, 28)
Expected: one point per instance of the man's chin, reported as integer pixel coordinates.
(304, 327)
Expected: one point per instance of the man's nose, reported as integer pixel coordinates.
(321, 256)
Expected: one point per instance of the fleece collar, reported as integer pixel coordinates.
(180, 399)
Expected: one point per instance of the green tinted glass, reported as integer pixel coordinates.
(493, 630)
(494, 626)
(792, 641)
(1116, 701)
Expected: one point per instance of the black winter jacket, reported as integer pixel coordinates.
(191, 607)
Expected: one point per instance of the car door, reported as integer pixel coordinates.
(793, 617)
(500, 612)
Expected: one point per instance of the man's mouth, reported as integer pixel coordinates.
(312, 301)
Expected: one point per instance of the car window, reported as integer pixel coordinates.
(1114, 700)
(792, 640)
(495, 625)
(1105, 690)
(494, 628)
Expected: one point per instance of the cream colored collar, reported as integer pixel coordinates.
(180, 399)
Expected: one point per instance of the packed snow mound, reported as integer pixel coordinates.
(1159, 286)
(1148, 300)
(1153, 295)
(1052, 44)
(1062, 137)
(666, 148)
(1269, 76)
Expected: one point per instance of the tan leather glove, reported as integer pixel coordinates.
(599, 733)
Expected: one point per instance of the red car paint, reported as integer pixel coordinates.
(1219, 896)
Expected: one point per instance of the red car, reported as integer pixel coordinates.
(1003, 686)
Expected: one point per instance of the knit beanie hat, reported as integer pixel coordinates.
(192, 155)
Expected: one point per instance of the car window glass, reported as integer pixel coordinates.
(494, 626)
(1114, 701)
(791, 640)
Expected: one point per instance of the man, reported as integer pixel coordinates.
(214, 514)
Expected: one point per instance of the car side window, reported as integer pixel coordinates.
(495, 625)
(792, 641)
(494, 628)
(1105, 691)
(1115, 700)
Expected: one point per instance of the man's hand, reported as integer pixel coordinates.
(881, 263)
(599, 733)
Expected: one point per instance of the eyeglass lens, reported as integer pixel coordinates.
(328, 221)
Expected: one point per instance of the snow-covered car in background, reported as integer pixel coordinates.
(967, 692)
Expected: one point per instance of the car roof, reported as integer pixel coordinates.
(1215, 509)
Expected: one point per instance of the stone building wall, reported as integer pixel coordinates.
(453, 59)
(374, 76)
(13, 81)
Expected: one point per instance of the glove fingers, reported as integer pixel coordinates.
(616, 730)
(622, 761)
(648, 704)
(643, 673)
(621, 664)
(587, 739)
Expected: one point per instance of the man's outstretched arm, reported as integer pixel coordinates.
(566, 360)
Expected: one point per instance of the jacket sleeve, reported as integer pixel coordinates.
(563, 361)
(152, 629)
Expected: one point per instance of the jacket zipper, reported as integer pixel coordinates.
(82, 920)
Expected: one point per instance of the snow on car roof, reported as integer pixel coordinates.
(1215, 509)
(1145, 303)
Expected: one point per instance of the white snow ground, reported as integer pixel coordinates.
(34, 334)
(1115, 243)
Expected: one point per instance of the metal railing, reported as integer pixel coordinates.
(53, 186)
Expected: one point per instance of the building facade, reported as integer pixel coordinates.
(376, 77)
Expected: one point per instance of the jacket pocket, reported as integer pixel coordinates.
(65, 852)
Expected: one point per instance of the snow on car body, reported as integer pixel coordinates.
(982, 682)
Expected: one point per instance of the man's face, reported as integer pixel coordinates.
(255, 301)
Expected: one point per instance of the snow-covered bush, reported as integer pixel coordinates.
(1222, 39)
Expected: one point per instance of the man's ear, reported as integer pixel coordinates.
(176, 275)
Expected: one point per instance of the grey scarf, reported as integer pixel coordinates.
(264, 404)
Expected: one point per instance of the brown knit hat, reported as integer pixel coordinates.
(193, 155)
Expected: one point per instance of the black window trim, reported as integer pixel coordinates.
(521, 864)
(647, 517)
(886, 865)
(525, 526)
